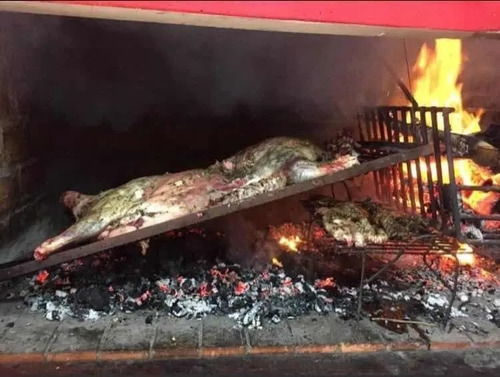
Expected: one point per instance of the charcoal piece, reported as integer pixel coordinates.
(93, 297)
(252, 316)
(238, 302)
(495, 317)
(188, 286)
(149, 319)
(129, 305)
(177, 310)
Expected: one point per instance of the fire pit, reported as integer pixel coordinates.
(399, 280)
(405, 260)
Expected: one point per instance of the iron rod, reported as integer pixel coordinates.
(409, 173)
(395, 186)
(437, 157)
(430, 181)
(451, 173)
(479, 188)
(403, 188)
(464, 216)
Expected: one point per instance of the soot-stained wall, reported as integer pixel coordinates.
(100, 102)
(164, 97)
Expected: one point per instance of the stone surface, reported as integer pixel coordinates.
(316, 329)
(74, 335)
(271, 336)
(483, 358)
(9, 313)
(177, 335)
(24, 332)
(7, 190)
(369, 331)
(221, 332)
(128, 332)
(15, 148)
(30, 176)
(31, 333)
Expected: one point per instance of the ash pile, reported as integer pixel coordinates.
(165, 282)
(310, 272)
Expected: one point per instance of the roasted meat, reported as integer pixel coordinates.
(360, 223)
(276, 162)
(397, 225)
(146, 201)
(139, 203)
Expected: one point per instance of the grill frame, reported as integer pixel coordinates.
(386, 124)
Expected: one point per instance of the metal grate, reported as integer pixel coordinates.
(410, 186)
(427, 185)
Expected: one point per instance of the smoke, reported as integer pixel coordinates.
(246, 241)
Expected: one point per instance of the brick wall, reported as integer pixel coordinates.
(21, 174)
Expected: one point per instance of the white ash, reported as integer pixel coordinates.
(55, 312)
(257, 298)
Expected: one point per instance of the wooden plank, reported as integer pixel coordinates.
(214, 212)
(388, 26)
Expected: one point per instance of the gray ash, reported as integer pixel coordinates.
(188, 274)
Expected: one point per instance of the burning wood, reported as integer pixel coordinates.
(436, 83)
(465, 255)
(290, 243)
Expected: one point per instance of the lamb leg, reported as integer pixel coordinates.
(85, 228)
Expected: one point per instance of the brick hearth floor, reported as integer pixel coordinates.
(29, 337)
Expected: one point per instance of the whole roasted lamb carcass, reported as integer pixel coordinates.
(147, 201)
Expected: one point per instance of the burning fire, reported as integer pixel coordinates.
(467, 173)
(437, 84)
(277, 263)
(465, 255)
(291, 243)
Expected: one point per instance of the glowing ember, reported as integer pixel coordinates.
(42, 276)
(277, 263)
(291, 243)
(241, 288)
(465, 255)
(328, 282)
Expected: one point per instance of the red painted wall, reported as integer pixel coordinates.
(442, 15)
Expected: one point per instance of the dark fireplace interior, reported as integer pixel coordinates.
(88, 105)
(98, 103)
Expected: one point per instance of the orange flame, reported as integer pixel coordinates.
(465, 255)
(467, 173)
(291, 243)
(276, 262)
(437, 84)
